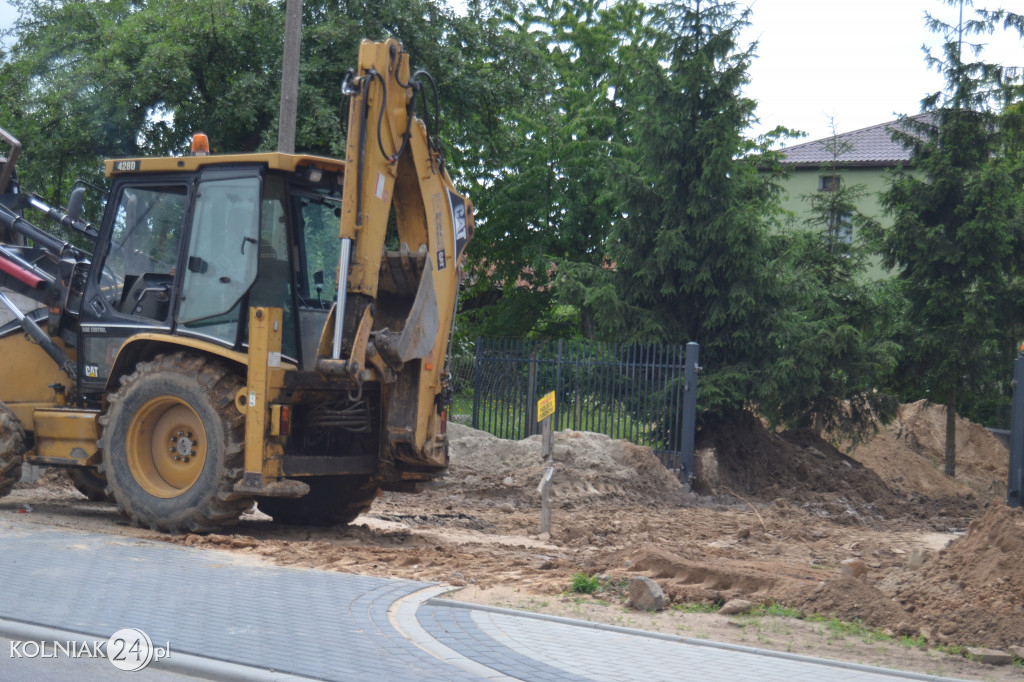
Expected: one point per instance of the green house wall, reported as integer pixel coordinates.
(803, 182)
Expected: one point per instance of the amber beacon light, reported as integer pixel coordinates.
(200, 144)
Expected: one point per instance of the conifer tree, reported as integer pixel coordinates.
(834, 353)
(957, 239)
(690, 248)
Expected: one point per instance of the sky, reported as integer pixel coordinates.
(856, 61)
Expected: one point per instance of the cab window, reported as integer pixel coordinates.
(222, 254)
(145, 244)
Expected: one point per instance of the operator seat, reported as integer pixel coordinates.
(149, 296)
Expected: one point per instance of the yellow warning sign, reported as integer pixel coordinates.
(546, 406)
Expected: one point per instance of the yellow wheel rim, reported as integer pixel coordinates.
(166, 447)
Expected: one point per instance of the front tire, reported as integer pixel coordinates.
(173, 445)
(12, 450)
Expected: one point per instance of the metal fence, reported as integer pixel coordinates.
(1015, 483)
(646, 394)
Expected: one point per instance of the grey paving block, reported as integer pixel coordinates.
(570, 650)
(211, 604)
(474, 643)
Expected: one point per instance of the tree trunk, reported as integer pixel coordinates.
(587, 324)
(819, 419)
(951, 437)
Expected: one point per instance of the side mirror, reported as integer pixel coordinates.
(318, 280)
(76, 202)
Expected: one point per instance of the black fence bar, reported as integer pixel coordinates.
(1015, 484)
(690, 407)
(644, 393)
(477, 386)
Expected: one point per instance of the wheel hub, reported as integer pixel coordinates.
(182, 443)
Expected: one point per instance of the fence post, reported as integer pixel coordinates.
(477, 382)
(690, 408)
(531, 397)
(558, 382)
(1015, 484)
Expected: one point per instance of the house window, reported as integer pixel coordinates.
(829, 183)
(840, 226)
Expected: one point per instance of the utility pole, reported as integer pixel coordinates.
(290, 77)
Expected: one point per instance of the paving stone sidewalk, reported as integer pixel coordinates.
(211, 604)
(218, 608)
(564, 650)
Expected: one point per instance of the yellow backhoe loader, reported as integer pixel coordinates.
(252, 327)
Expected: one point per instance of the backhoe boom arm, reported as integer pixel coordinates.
(395, 174)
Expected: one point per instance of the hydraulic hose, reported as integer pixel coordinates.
(15, 222)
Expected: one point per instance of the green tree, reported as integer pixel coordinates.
(689, 250)
(88, 80)
(834, 352)
(957, 239)
(544, 202)
(123, 78)
(332, 30)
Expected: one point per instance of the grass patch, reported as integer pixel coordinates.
(585, 584)
(778, 611)
(952, 650)
(912, 642)
(462, 404)
(533, 605)
(840, 629)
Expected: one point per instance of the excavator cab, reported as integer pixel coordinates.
(188, 253)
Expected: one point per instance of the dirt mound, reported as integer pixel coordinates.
(714, 576)
(797, 466)
(855, 600)
(760, 465)
(973, 590)
(588, 467)
(909, 455)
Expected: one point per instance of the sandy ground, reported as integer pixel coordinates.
(777, 517)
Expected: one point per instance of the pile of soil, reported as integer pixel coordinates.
(795, 465)
(909, 455)
(52, 478)
(754, 463)
(588, 467)
(973, 590)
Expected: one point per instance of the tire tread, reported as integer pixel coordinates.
(220, 509)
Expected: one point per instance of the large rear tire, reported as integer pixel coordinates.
(90, 482)
(12, 450)
(331, 501)
(173, 445)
